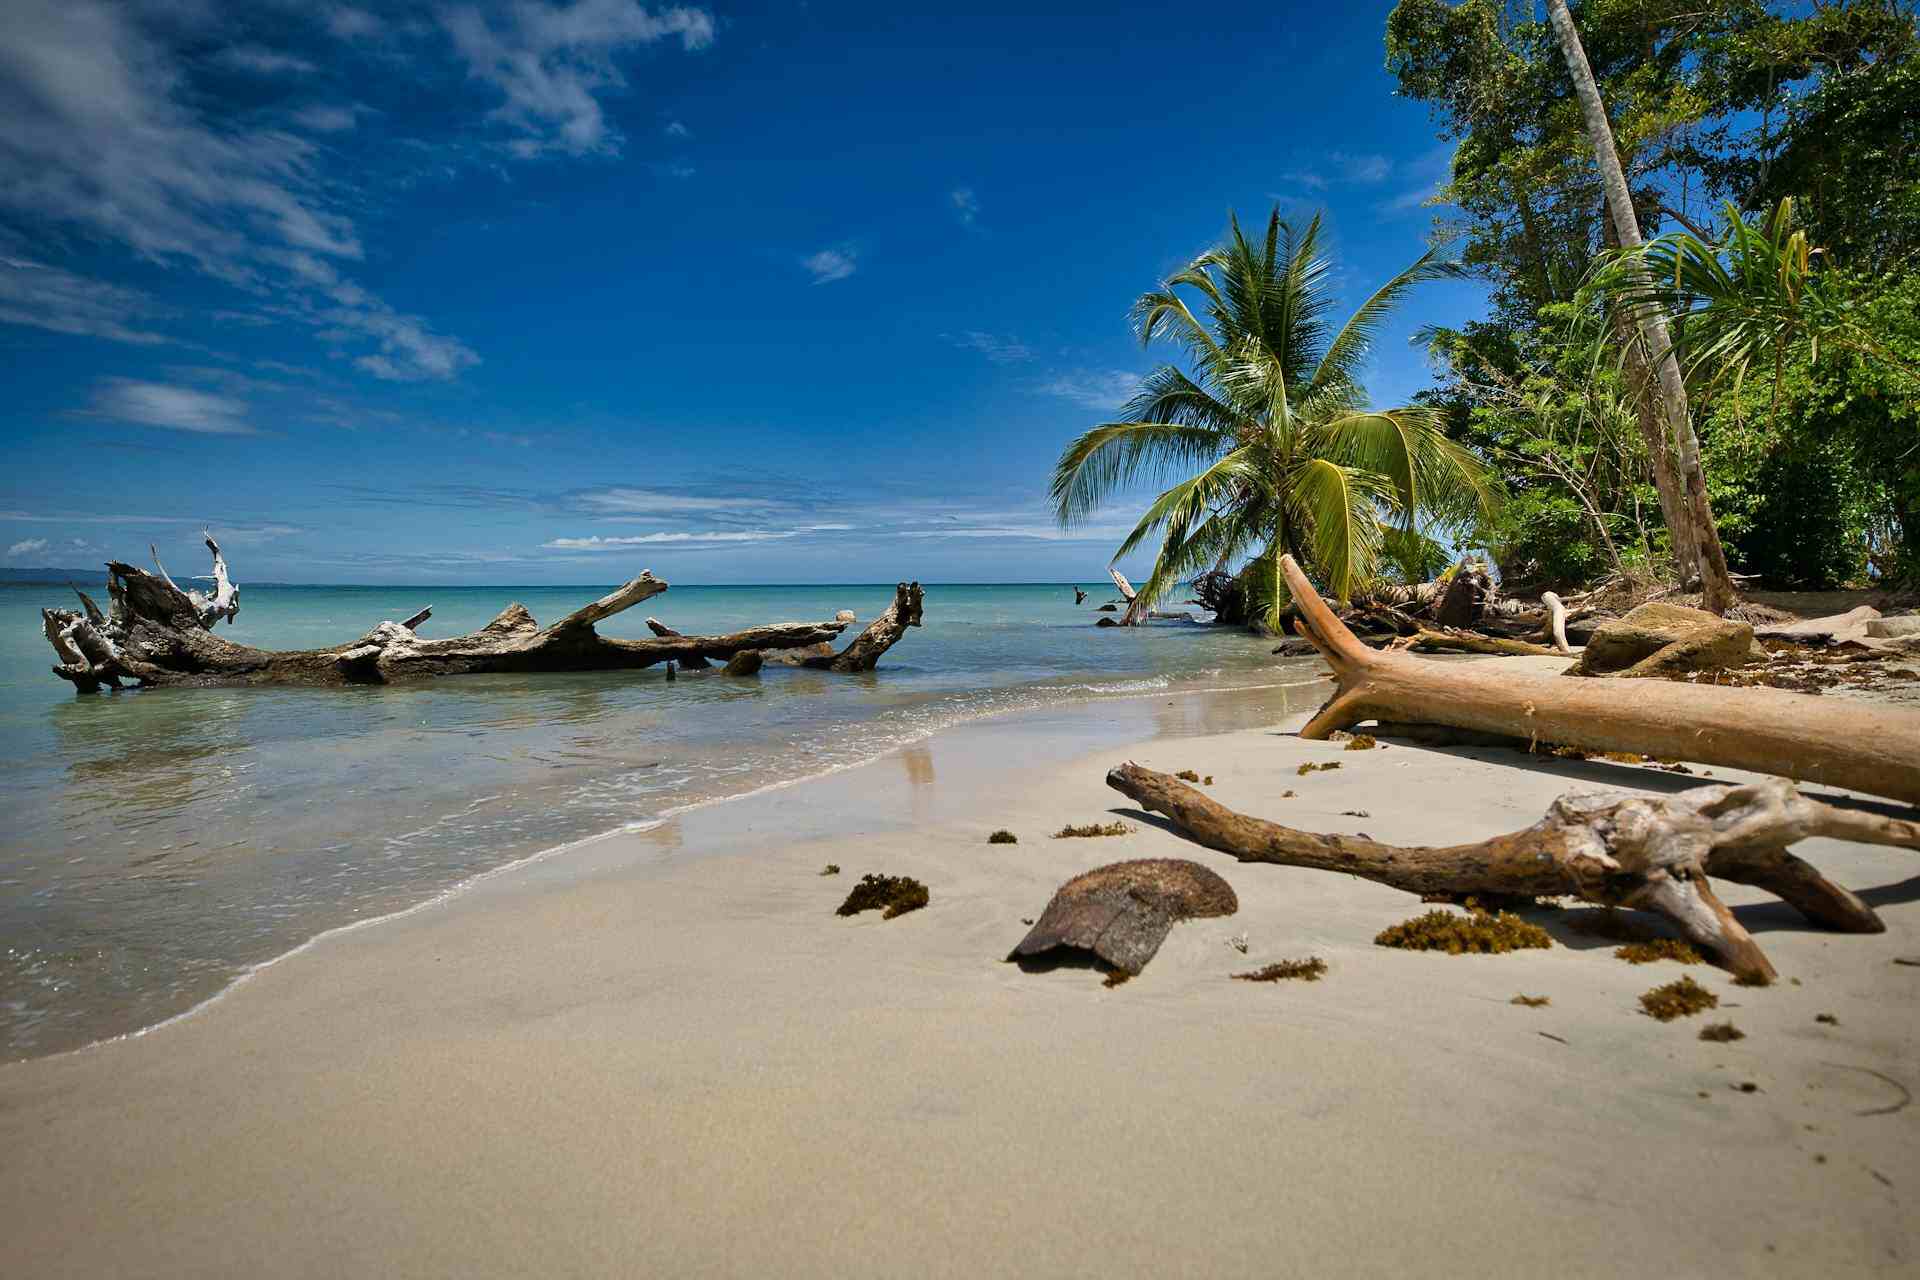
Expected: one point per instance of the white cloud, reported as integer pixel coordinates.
(626, 502)
(323, 118)
(348, 23)
(26, 547)
(1000, 350)
(261, 61)
(677, 130)
(1362, 168)
(1097, 389)
(49, 298)
(160, 404)
(98, 135)
(597, 543)
(550, 61)
(966, 205)
(829, 265)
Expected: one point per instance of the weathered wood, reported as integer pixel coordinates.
(1556, 625)
(1122, 912)
(157, 634)
(881, 634)
(1619, 849)
(693, 662)
(1474, 642)
(1868, 748)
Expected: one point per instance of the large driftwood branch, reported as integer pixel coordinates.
(881, 634)
(1854, 745)
(157, 634)
(1654, 853)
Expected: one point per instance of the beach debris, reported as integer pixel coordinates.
(1476, 933)
(1308, 970)
(890, 895)
(1911, 961)
(1746, 1086)
(1079, 596)
(831, 869)
(692, 661)
(1071, 832)
(1122, 912)
(1657, 949)
(1187, 775)
(1858, 746)
(1556, 1039)
(1316, 767)
(156, 634)
(1827, 1018)
(1238, 942)
(1003, 837)
(1681, 999)
(1722, 1032)
(1658, 638)
(1207, 781)
(1355, 813)
(1532, 1002)
(1626, 849)
(1362, 742)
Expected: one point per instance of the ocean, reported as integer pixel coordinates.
(158, 844)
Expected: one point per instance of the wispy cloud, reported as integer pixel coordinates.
(710, 537)
(630, 502)
(326, 118)
(349, 23)
(1363, 168)
(550, 62)
(829, 265)
(1000, 349)
(161, 404)
(966, 205)
(261, 61)
(1428, 176)
(675, 129)
(102, 135)
(1105, 389)
(49, 298)
(27, 547)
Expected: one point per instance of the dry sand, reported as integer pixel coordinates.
(633, 1060)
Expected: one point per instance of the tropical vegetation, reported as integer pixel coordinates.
(1279, 449)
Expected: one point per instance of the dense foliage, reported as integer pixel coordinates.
(1813, 461)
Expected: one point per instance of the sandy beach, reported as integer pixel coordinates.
(662, 1053)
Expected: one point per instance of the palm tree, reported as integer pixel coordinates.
(1290, 460)
(1716, 584)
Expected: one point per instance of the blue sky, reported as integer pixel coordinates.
(534, 292)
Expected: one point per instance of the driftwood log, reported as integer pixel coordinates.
(158, 635)
(1473, 642)
(1122, 912)
(1854, 745)
(1653, 853)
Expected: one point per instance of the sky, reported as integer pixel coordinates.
(551, 293)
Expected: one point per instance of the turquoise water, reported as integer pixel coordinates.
(159, 843)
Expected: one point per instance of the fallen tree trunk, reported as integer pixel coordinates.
(1619, 849)
(881, 634)
(1854, 745)
(158, 635)
(1136, 608)
(1473, 642)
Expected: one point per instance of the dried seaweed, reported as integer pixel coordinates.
(890, 895)
(1722, 1032)
(1681, 999)
(1308, 970)
(1656, 949)
(1003, 837)
(1109, 829)
(1312, 767)
(1477, 933)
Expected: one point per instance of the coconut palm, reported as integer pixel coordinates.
(1270, 419)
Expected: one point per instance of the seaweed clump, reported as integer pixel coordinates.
(1362, 742)
(831, 869)
(1308, 970)
(1311, 767)
(1478, 933)
(1093, 829)
(890, 895)
(1680, 999)
(1655, 949)
(1187, 775)
(1722, 1032)
(1003, 837)
(1532, 1002)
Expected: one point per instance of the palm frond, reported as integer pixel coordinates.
(1341, 507)
(1116, 454)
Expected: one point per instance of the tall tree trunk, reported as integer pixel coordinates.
(1716, 584)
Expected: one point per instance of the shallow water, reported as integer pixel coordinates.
(159, 843)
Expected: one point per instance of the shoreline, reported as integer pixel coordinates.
(665, 1053)
(1084, 703)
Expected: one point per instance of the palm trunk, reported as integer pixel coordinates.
(1715, 583)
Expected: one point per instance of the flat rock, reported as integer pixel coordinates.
(1894, 628)
(1122, 912)
(1657, 639)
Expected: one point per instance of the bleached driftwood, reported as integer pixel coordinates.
(1473, 642)
(1868, 748)
(157, 634)
(1654, 853)
(1556, 625)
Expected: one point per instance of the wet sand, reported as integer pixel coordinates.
(663, 1054)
